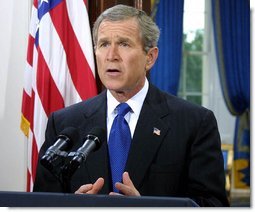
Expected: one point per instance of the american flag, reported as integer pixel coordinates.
(60, 68)
(156, 131)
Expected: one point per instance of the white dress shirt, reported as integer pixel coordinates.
(135, 103)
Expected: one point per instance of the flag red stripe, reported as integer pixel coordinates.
(36, 3)
(48, 92)
(85, 2)
(34, 151)
(28, 180)
(30, 175)
(31, 107)
(80, 71)
(26, 100)
(34, 158)
(30, 50)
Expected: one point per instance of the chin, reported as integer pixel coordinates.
(114, 87)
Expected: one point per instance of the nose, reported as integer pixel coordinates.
(113, 53)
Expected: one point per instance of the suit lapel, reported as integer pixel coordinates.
(149, 134)
(97, 162)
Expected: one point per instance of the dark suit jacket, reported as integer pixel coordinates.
(185, 160)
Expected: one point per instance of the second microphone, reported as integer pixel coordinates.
(93, 142)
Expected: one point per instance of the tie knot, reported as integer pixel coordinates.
(123, 109)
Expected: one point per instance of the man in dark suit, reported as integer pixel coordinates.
(175, 149)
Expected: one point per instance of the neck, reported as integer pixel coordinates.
(124, 95)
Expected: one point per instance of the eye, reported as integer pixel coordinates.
(104, 44)
(124, 44)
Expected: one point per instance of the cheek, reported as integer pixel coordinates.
(136, 61)
(99, 68)
(136, 71)
(98, 58)
(99, 62)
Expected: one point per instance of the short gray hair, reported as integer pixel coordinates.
(149, 29)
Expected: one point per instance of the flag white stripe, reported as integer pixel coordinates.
(31, 184)
(33, 22)
(28, 79)
(40, 120)
(55, 57)
(29, 151)
(39, 116)
(82, 32)
(34, 69)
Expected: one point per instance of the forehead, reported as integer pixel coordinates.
(127, 27)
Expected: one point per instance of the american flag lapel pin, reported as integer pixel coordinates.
(156, 131)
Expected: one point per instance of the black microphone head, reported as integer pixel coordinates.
(65, 141)
(71, 134)
(99, 136)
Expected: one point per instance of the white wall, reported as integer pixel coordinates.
(14, 22)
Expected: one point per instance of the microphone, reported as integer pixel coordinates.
(92, 143)
(65, 141)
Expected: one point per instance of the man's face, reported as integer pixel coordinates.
(121, 60)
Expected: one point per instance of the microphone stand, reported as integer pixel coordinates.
(67, 173)
(59, 167)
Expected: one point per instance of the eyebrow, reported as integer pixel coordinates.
(102, 40)
(119, 40)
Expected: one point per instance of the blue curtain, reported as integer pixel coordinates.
(231, 20)
(166, 72)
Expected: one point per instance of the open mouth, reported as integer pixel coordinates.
(113, 71)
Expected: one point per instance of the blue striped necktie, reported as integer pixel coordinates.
(119, 143)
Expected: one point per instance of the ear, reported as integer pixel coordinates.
(152, 56)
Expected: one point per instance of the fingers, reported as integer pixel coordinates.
(126, 180)
(97, 186)
(114, 193)
(127, 187)
(91, 188)
(84, 189)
